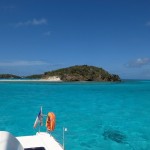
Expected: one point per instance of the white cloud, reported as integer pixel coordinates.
(33, 22)
(22, 63)
(28, 67)
(28, 63)
(140, 62)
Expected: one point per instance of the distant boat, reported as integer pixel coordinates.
(39, 141)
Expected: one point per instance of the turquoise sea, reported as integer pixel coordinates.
(98, 116)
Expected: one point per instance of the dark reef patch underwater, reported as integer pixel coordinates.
(115, 135)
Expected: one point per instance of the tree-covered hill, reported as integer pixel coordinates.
(83, 73)
(74, 73)
(9, 76)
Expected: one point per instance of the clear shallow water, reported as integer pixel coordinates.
(99, 116)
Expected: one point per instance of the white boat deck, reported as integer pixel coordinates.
(41, 139)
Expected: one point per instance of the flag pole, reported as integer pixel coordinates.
(63, 139)
(42, 118)
(39, 128)
(64, 129)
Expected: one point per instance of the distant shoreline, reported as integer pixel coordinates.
(28, 80)
(69, 74)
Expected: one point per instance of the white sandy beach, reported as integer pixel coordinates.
(52, 78)
(49, 79)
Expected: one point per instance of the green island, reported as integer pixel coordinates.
(74, 73)
(9, 76)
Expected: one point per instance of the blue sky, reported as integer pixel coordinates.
(42, 35)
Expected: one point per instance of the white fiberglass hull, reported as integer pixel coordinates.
(40, 141)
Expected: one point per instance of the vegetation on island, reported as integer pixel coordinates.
(83, 73)
(9, 76)
(74, 73)
(35, 76)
